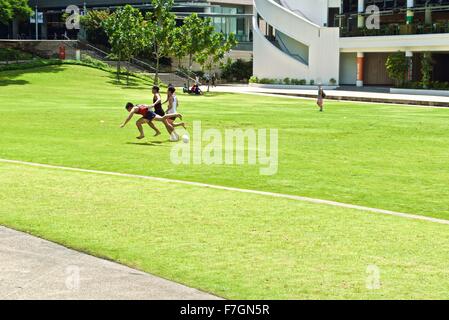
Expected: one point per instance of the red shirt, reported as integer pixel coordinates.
(143, 110)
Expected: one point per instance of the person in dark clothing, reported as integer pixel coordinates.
(157, 101)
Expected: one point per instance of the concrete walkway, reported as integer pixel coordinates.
(32, 268)
(339, 94)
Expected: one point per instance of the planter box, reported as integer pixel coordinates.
(285, 86)
(424, 92)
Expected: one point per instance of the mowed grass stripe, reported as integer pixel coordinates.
(235, 245)
(263, 193)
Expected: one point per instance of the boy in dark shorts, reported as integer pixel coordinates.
(148, 116)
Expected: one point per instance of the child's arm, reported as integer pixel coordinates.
(131, 114)
(170, 103)
(159, 100)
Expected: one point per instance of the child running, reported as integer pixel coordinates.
(148, 116)
(173, 104)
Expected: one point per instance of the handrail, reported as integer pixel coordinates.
(298, 12)
(286, 50)
(288, 11)
(137, 61)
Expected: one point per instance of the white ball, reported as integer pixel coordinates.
(185, 138)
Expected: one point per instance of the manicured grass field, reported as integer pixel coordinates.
(234, 245)
(231, 244)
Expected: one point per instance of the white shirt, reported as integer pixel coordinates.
(174, 105)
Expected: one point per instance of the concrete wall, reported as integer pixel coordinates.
(418, 42)
(42, 48)
(348, 68)
(323, 43)
(313, 10)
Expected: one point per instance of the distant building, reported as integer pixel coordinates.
(348, 40)
(228, 16)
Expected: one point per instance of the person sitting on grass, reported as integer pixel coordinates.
(196, 90)
(148, 116)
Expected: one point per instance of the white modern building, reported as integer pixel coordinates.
(348, 40)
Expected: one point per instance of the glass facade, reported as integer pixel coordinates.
(229, 22)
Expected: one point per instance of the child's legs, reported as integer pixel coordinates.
(164, 120)
(151, 124)
(139, 124)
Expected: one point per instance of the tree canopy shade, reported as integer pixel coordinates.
(11, 9)
(160, 31)
(125, 32)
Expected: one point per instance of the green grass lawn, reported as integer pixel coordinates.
(231, 244)
(234, 245)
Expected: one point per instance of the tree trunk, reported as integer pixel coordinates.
(156, 77)
(127, 72)
(118, 70)
(190, 69)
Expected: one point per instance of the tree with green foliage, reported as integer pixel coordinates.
(215, 52)
(160, 26)
(178, 50)
(124, 29)
(92, 23)
(195, 36)
(397, 67)
(11, 9)
(426, 69)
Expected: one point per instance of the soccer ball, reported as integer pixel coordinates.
(185, 138)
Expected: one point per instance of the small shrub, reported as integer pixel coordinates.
(253, 79)
(302, 82)
(7, 54)
(267, 81)
(332, 82)
(397, 67)
(287, 81)
(94, 62)
(238, 70)
(312, 82)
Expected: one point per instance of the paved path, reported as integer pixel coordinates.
(365, 96)
(32, 268)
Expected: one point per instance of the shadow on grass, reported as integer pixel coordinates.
(134, 83)
(7, 77)
(4, 83)
(207, 94)
(150, 143)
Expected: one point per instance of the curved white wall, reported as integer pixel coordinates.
(270, 62)
(314, 10)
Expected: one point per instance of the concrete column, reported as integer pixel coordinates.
(360, 17)
(15, 29)
(409, 56)
(44, 29)
(360, 71)
(410, 13)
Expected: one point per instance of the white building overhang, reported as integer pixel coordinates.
(418, 42)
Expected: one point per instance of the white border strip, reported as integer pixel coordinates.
(262, 193)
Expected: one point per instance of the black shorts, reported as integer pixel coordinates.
(160, 112)
(150, 115)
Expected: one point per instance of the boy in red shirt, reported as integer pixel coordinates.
(148, 116)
